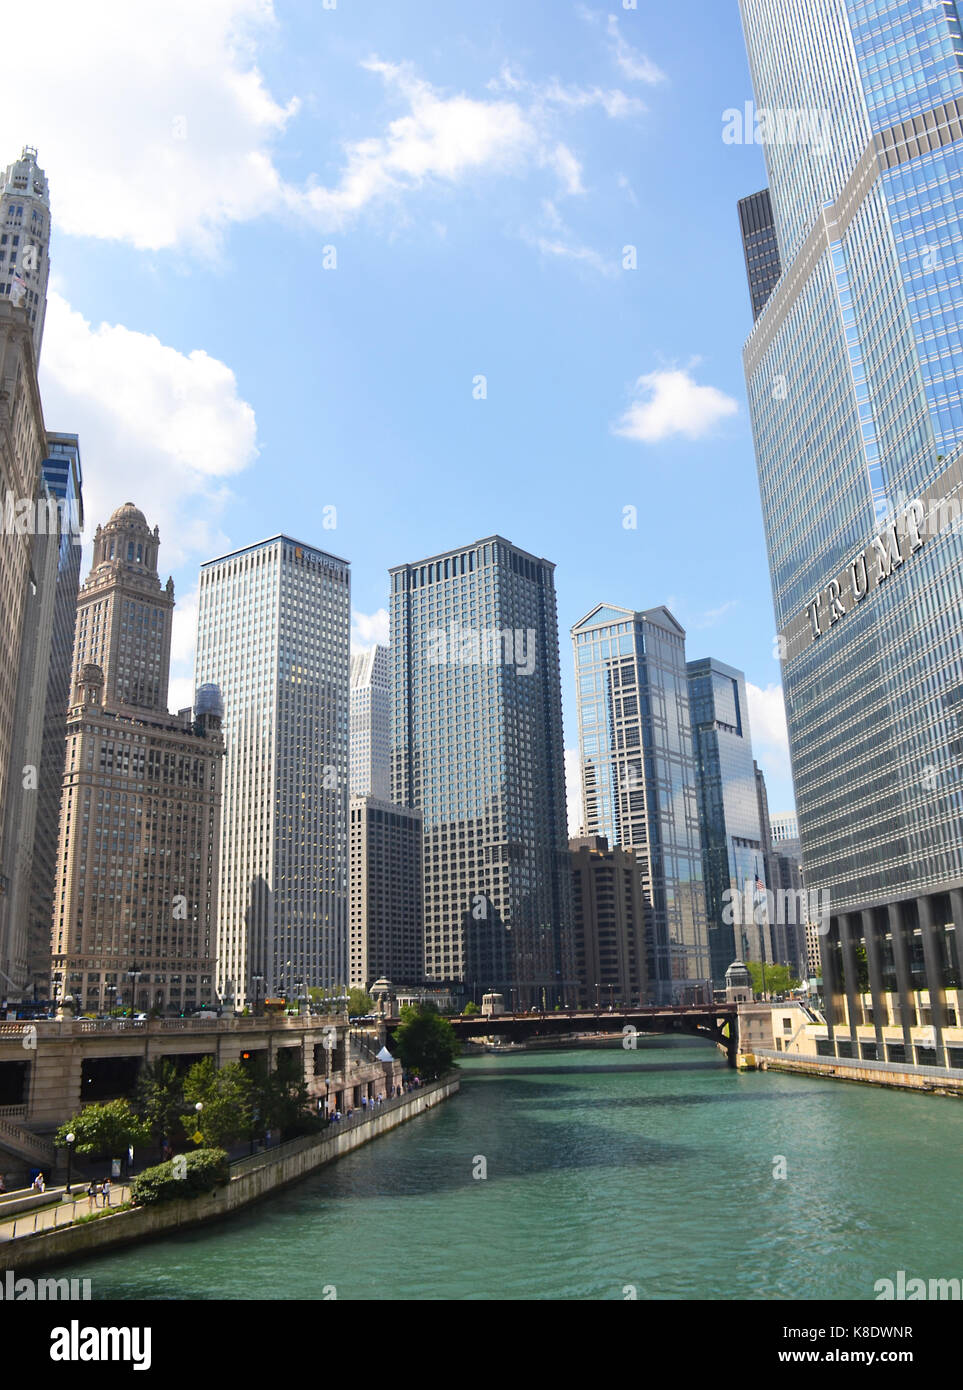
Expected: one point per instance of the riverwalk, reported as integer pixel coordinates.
(252, 1178)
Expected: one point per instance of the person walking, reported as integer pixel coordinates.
(91, 1195)
(105, 1192)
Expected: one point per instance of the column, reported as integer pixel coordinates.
(933, 959)
(851, 973)
(831, 983)
(903, 980)
(874, 960)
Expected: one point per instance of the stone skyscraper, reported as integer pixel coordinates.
(370, 739)
(135, 896)
(477, 748)
(273, 632)
(854, 372)
(639, 786)
(25, 240)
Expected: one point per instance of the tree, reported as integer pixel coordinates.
(160, 1098)
(104, 1130)
(227, 1103)
(425, 1042)
(282, 1103)
(470, 1008)
(778, 978)
(359, 1003)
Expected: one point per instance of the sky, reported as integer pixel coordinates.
(394, 277)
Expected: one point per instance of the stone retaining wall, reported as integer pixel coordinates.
(46, 1249)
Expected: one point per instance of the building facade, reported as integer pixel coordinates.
(639, 781)
(733, 852)
(135, 894)
(760, 248)
(22, 449)
(854, 371)
(369, 743)
(273, 633)
(386, 908)
(477, 747)
(63, 477)
(25, 240)
(609, 924)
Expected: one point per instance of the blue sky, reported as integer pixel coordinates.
(470, 176)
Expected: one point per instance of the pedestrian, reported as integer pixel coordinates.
(105, 1192)
(38, 1183)
(3, 1185)
(91, 1195)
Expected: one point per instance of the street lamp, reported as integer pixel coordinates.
(198, 1107)
(258, 981)
(133, 974)
(70, 1153)
(298, 987)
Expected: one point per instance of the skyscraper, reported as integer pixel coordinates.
(386, 916)
(855, 384)
(63, 477)
(477, 748)
(609, 923)
(370, 738)
(135, 895)
(733, 853)
(25, 240)
(760, 248)
(273, 632)
(22, 448)
(639, 785)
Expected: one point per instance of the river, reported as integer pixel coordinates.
(608, 1174)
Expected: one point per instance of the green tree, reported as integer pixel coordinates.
(227, 1097)
(282, 1103)
(424, 1041)
(470, 1008)
(778, 978)
(104, 1130)
(159, 1098)
(359, 1003)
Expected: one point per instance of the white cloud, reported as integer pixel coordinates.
(636, 66)
(573, 791)
(157, 427)
(369, 629)
(770, 736)
(155, 126)
(670, 402)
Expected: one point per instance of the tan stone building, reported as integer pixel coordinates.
(610, 956)
(135, 898)
(386, 899)
(22, 446)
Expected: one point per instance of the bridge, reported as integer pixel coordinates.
(718, 1023)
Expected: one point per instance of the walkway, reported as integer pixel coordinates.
(59, 1213)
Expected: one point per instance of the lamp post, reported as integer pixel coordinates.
(258, 981)
(198, 1107)
(133, 974)
(298, 987)
(70, 1153)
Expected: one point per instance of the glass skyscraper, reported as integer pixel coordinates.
(477, 748)
(369, 743)
(273, 632)
(639, 780)
(855, 383)
(733, 852)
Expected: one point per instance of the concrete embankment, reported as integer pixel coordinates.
(901, 1077)
(252, 1179)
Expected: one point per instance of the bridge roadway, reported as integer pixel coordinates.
(718, 1023)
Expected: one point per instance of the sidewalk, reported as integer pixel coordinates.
(60, 1213)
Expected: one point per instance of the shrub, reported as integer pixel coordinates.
(202, 1171)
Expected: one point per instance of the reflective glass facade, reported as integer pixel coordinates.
(733, 853)
(639, 780)
(854, 372)
(477, 748)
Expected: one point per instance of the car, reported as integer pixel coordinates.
(140, 1018)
